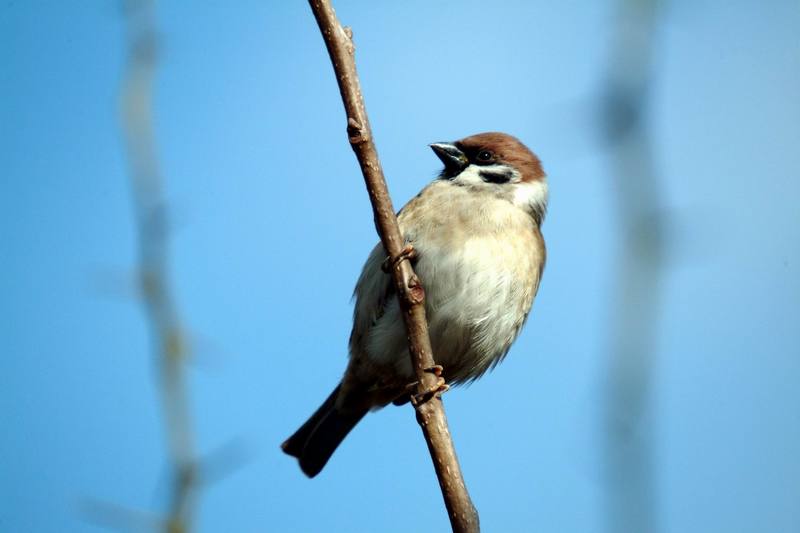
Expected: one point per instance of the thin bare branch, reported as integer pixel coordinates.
(430, 414)
(628, 445)
(169, 341)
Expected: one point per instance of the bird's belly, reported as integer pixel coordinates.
(477, 297)
(478, 300)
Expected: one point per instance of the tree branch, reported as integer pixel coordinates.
(430, 414)
(169, 342)
(628, 444)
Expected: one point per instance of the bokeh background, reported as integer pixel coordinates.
(655, 387)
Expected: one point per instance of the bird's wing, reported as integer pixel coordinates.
(375, 288)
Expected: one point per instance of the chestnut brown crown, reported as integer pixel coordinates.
(492, 148)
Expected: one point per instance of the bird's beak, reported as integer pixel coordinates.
(454, 159)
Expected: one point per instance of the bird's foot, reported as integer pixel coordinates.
(436, 370)
(439, 388)
(390, 263)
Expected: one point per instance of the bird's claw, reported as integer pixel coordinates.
(436, 370)
(439, 388)
(390, 263)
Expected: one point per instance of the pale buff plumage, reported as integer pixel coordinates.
(480, 260)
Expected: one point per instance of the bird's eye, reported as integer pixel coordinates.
(484, 156)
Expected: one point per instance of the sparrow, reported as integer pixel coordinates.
(479, 252)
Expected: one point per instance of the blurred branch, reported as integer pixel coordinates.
(635, 315)
(214, 466)
(430, 414)
(169, 341)
(120, 518)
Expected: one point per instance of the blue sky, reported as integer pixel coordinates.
(272, 224)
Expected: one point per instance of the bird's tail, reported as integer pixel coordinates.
(317, 439)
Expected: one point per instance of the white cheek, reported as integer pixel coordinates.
(472, 174)
(531, 193)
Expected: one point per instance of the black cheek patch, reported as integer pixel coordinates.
(496, 176)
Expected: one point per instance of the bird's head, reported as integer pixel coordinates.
(498, 163)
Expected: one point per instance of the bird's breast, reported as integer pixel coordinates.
(479, 261)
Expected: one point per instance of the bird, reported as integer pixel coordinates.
(475, 239)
